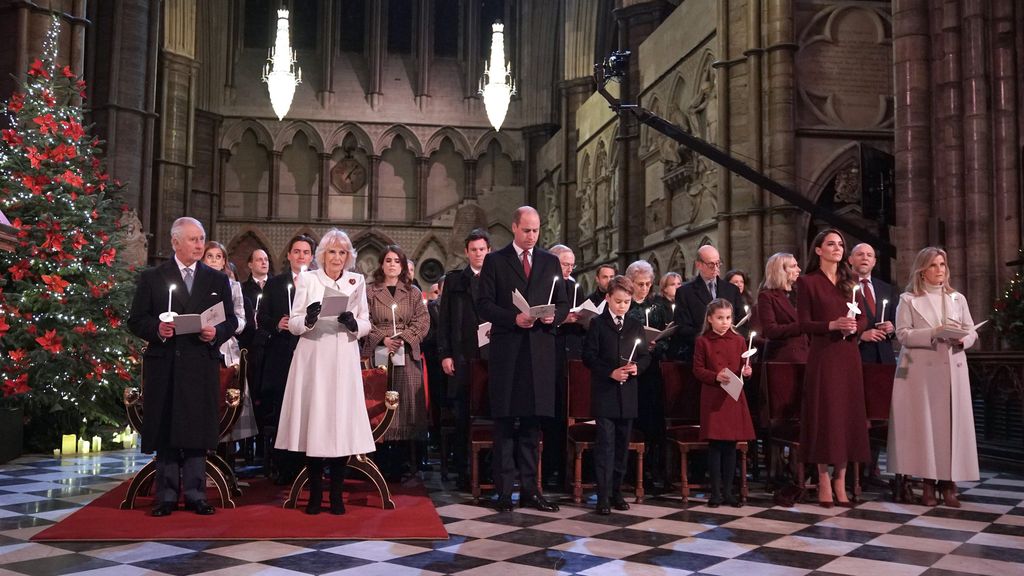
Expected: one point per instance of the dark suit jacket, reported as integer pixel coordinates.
(570, 336)
(457, 318)
(879, 352)
(251, 292)
(604, 350)
(181, 375)
(777, 321)
(522, 360)
(278, 345)
(692, 299)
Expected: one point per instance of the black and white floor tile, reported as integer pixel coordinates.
(659, 537)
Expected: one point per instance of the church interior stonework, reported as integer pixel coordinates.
(903, 117)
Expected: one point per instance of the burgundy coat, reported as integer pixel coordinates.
(721, 417)
(778, 323)
(833, 421)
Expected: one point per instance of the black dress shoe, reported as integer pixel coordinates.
(164, 509)
(619, 503)
(201, 507)
(537, 501)
(503, 504)
(602, 508)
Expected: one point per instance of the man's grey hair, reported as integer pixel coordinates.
(559, 249)
(182, 222)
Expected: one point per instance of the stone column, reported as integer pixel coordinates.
(979, 250)
(275, 184)
(911, 49)
(949, 172)
(373, 177)
(781, 120)
(471, 58)
(424, 50)
(422, 171)
(1007, 172)
(325, 186)
(635, 22)
(378, 41)
(224, 156)
(573, 94)
(534, 138)
(327, 24)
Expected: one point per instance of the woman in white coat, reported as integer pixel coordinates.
(324, 411)
(931, 425)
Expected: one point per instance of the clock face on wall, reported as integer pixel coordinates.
(348, 176)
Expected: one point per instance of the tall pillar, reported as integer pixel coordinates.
(378, 41)
(912, 49)
(534, 138)
(978, 242)
(471, 58)
(374, 187)
(224, 158)
(573, 94)
(1007, 76)
(274, 190)
(422, 171)
(327, 24)
(325, 186)
(635, 23)
(950, 171)
(424, 50)
(781, 120)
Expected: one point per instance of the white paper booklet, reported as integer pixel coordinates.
(956, 332)
(483, 334)
(587, 311)
(194, 323)
(380, 356)
(333, 304)
(735, 385)
(653, 334)
(539, 311)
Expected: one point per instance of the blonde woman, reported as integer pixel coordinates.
(777, 318)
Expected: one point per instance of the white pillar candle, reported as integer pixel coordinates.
(551, 295)
(885, 302)
(170, 291)
(289, 302)
(635, 344)
(750, 344)
(394, 324)
(853, 294)
(647, 317)
(575, 294)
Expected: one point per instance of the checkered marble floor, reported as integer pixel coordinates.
(661, 536)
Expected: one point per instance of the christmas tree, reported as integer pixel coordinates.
(1008, 311)
(65, 354)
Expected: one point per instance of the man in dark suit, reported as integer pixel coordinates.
(603, 275)
(278, 345)
(568, 346)
(457, 344)
(181, 372)
(252, 292)
(522, 377)
(693, 297)
(874, 294)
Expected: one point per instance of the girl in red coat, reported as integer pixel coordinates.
(723, 421)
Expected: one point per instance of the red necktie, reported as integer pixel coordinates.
(868, 296)
(526, 263)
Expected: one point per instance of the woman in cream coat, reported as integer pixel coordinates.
(931, 426)
(324, 410)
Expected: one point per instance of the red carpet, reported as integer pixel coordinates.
(258, 516)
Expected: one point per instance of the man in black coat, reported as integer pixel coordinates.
(602, 276)
(181, 372)
(693, 297)
(252, 291)
(874, 294)
(522, 377)
(457, 344)
(278, 345)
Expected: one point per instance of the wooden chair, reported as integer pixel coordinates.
(381, 405)
(218, 471)
(481, 428)
(782, 390)
(681, 397)
(878, 382)
(581, 434)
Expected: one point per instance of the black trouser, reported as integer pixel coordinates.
(722, 468)
(611, 454)
(515, 451)
(184, 468)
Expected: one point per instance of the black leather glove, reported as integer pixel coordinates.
(312, 312)
(347, 320)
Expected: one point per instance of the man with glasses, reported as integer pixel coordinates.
(693, 297)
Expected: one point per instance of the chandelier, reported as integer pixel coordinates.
(497, 86)
(280, 72)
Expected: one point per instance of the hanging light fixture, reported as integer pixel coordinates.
(497, 86)
(280, 72)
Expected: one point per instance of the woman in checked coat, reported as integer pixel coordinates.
(392, 290)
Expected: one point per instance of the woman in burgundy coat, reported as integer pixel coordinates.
(833, 423)
(777, 319)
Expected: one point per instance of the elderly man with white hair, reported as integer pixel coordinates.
(693, 297)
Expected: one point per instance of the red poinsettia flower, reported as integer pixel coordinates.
(31, 329)
(72, 130)
(4, 326)
(97, 290)
(103, 236)
(89, 328)
(54, 241)
(47, 125)
(37, 69)
(18, 356)
(16, 386)
(80, 86)
(67, 72)
(70, 178)
(17, 102)
(19, 270)
(34, 157)
(112, 317)
(55, 283)
(12, 138)
(30, 183)
(51, 342)
(49, 99)
(78, 241)
(107, 256)
(63, 152)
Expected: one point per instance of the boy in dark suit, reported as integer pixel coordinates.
(615, 350)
